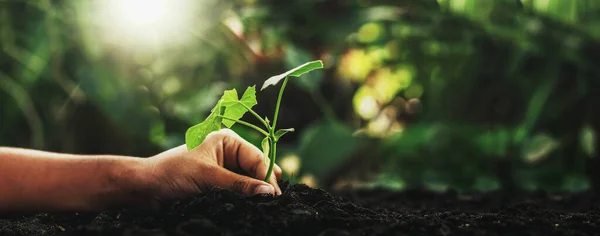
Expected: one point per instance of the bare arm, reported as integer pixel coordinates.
(43, 181)
(37, 181)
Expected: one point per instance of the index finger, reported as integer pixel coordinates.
(239, 153)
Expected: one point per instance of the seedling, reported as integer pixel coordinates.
(229, 110)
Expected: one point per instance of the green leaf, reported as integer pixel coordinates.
(266, 148)
(230, 97)
(281, 132)
(325, 146)
(296, 56)
(234, 108)
(196, 134)
(296, 72)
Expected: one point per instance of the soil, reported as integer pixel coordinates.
(306, 211)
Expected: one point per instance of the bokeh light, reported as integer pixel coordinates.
(365, 103)
(309, 180)
(290, 164)
(370, 32)
(355, 65)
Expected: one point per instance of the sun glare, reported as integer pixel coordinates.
(138, 22)
(142, 13)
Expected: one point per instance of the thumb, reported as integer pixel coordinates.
(245, 185)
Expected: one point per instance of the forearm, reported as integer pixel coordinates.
(42, 181)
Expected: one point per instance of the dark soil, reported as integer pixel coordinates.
(305, 211)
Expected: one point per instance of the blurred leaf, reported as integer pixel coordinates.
(325, 146)
(535, 107)
(539, 147)
(157, 132)
(27, 107)
(413, 139)
(575, 183)
(296, 72)
(234, 108)
(588, 141)
(486, 184)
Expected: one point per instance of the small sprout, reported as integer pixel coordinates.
(230, 109)
(281, 132)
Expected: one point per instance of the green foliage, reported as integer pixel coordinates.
(325, 145)
(234, 108)
(196, 134)
(456, 89)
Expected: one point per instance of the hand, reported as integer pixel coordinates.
(223, 160)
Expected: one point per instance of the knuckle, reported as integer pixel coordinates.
(260, 162)
(213, 136)
(226, 132)
(221, 134)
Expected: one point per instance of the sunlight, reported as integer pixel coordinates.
(142, 13)
(138, 22)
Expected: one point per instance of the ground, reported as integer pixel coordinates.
(307, 211)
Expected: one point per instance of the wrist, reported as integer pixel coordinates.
(136, 182)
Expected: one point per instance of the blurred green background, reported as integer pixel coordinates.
(464, 94)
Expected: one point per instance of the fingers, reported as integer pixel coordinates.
(278, 172)
(226, 179)
(239, 153)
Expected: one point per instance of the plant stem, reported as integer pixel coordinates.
(246, 124)
(255, 114)
(273, 148)
(279, 103)
(273, 155)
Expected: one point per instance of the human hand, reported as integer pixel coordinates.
(223, 160)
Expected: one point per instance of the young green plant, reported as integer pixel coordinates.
(230, 109)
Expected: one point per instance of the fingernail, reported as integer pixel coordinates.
(264, 189)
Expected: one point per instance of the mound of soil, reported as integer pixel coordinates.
(306, 211)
